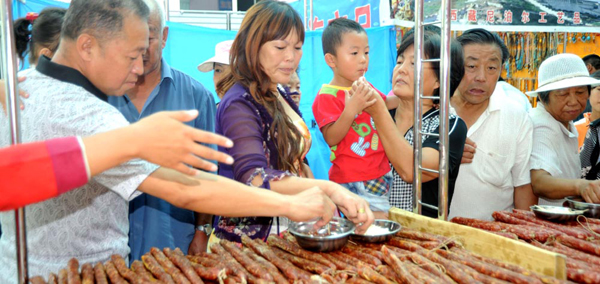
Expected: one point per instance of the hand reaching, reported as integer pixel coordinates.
(355, 208)
(3, 95)
(170, 143)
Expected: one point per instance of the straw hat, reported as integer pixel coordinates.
(221, 56)
(562, 71)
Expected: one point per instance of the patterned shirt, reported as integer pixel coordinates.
(89, 223)
(401, 194)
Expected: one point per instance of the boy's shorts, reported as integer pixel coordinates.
(375, 191)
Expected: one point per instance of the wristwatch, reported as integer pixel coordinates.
(206, 228)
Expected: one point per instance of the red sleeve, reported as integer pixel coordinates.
(34, 172)
(327, 108)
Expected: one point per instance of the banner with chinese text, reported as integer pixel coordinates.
(365, 12)
(507, 13)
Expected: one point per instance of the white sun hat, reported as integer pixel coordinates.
(221, 56)
(562, 71)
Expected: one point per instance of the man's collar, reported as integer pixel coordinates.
(69, 75)
(166, 72)
(496, 99)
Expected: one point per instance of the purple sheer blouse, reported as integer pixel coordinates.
(247, 123)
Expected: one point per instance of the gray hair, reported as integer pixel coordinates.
(157, 10)
(100, 18)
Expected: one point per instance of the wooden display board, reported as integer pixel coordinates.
(488, 244)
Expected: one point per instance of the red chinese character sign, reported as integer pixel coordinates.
(365, 12)
(554, 14)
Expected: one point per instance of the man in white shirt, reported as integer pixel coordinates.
(498, 176)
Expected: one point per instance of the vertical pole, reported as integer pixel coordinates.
(228, 19)
(565, 42)
(444, 111)
(167, 16)
(234, 5)
(305, 17)
(418, 122)
(10, 69)
(310, 21)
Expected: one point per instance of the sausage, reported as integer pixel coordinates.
(305, 264)
(138, 268)
(418, 235)
(184, 265)
(272, 269)
(583, 276)
(208, 262)
(387, 272)
(376, 253)
(403, 274)
(121, 266)
(573, 232)
(228, 259)
(288, 269)
(87, 274)
(297, 251)
(52, 278)
(579, 244)
(100, 274)
(369, 274)
(512, 267)
(63, 274)
(576, 254)
(248, 263)
(37, 280)
(169, 267)
(208, 273)
(340, 265)
(489, 269)
(154, 267)
(73, 272)
(522, 229)
(430, 267)
(362, 256)
(113, 273)
(420, 274)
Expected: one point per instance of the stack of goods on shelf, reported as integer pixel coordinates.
(409, 257)
(577, 240)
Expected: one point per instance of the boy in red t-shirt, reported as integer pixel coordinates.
(359, 161)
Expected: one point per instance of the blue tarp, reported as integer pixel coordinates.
(187, 46)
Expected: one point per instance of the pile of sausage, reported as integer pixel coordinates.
(409, 257)
(577, 240)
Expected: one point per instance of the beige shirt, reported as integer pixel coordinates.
(503, 134)
(555, 149)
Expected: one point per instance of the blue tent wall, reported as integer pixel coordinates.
(21, 9)
(187, 46)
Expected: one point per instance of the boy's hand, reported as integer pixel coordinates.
(359, 97)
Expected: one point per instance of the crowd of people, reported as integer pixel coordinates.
(134, 170)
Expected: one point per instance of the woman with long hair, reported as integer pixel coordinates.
(269, 135)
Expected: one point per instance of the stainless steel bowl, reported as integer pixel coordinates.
(556, 213)
(593, 210)
(390, 228)
(330, 237)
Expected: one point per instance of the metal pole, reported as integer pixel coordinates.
(167, 16)
(444, 111)
(310, 22)
(305, 17)
(12, 106)
(565, 42)
(228, 19)
(418, 122)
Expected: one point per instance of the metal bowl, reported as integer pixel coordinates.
(330, 237)
(556, 213)
(390, 227)
(593, 210)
